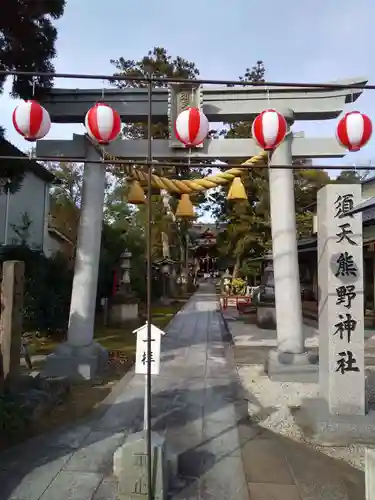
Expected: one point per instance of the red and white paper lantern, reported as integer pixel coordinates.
(354, 130)
(31, 120)
(191, 127)
(103, 124)
(269, 129)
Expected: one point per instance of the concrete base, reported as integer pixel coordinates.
(76, 363)
(121, 313)
(289, 367)
(266, 318)
(130, 467)
(321, 427)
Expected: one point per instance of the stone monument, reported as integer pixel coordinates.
(340, 415)
(341, 310)
(130, 467)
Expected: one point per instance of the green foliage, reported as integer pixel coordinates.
(48, 284)
(250, 269)
(27, 41)
(69, 181)
(306, 186)
(160, 64)
(238, 286)
(352, 176)
(14, 417)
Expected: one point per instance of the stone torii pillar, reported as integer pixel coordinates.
(80, 356)
(290, 358)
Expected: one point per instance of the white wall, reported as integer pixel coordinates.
(30, 199)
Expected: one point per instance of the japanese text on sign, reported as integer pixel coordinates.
(346, 324)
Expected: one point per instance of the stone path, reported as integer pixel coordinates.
(201, 406)
(197, 403)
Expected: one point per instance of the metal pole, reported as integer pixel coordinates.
(145, 406)
(150, 494)
(240, 83)
(7, 201)
(161, 163)
(187, 250)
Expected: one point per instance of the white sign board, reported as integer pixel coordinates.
(341, 311)
(141, 351)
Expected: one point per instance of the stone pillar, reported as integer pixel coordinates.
(341, 313)
(83, 301)
(79, 357)
(12, 287)
(290, 356)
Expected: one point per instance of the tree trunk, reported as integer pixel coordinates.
(167, 206)
(236, 268)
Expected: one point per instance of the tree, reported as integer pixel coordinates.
(307, 183)
(352, 176)
(121, 227)
(27, 41)
(160, 64)
(247, 230)
(65, 197)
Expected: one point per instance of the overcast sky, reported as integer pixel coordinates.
(298, 40)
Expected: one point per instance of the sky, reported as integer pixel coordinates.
(298, 41)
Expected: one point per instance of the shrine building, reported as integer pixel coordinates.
(203, 248)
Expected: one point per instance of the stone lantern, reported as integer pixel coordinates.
(167, 274)
(125, 266)
(124, 306)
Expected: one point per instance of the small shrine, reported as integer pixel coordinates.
(203, 248)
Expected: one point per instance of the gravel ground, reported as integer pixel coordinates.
(269, 405)
(269, 401)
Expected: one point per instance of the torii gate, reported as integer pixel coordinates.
(220, 104)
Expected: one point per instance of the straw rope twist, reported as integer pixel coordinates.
(186, 186)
